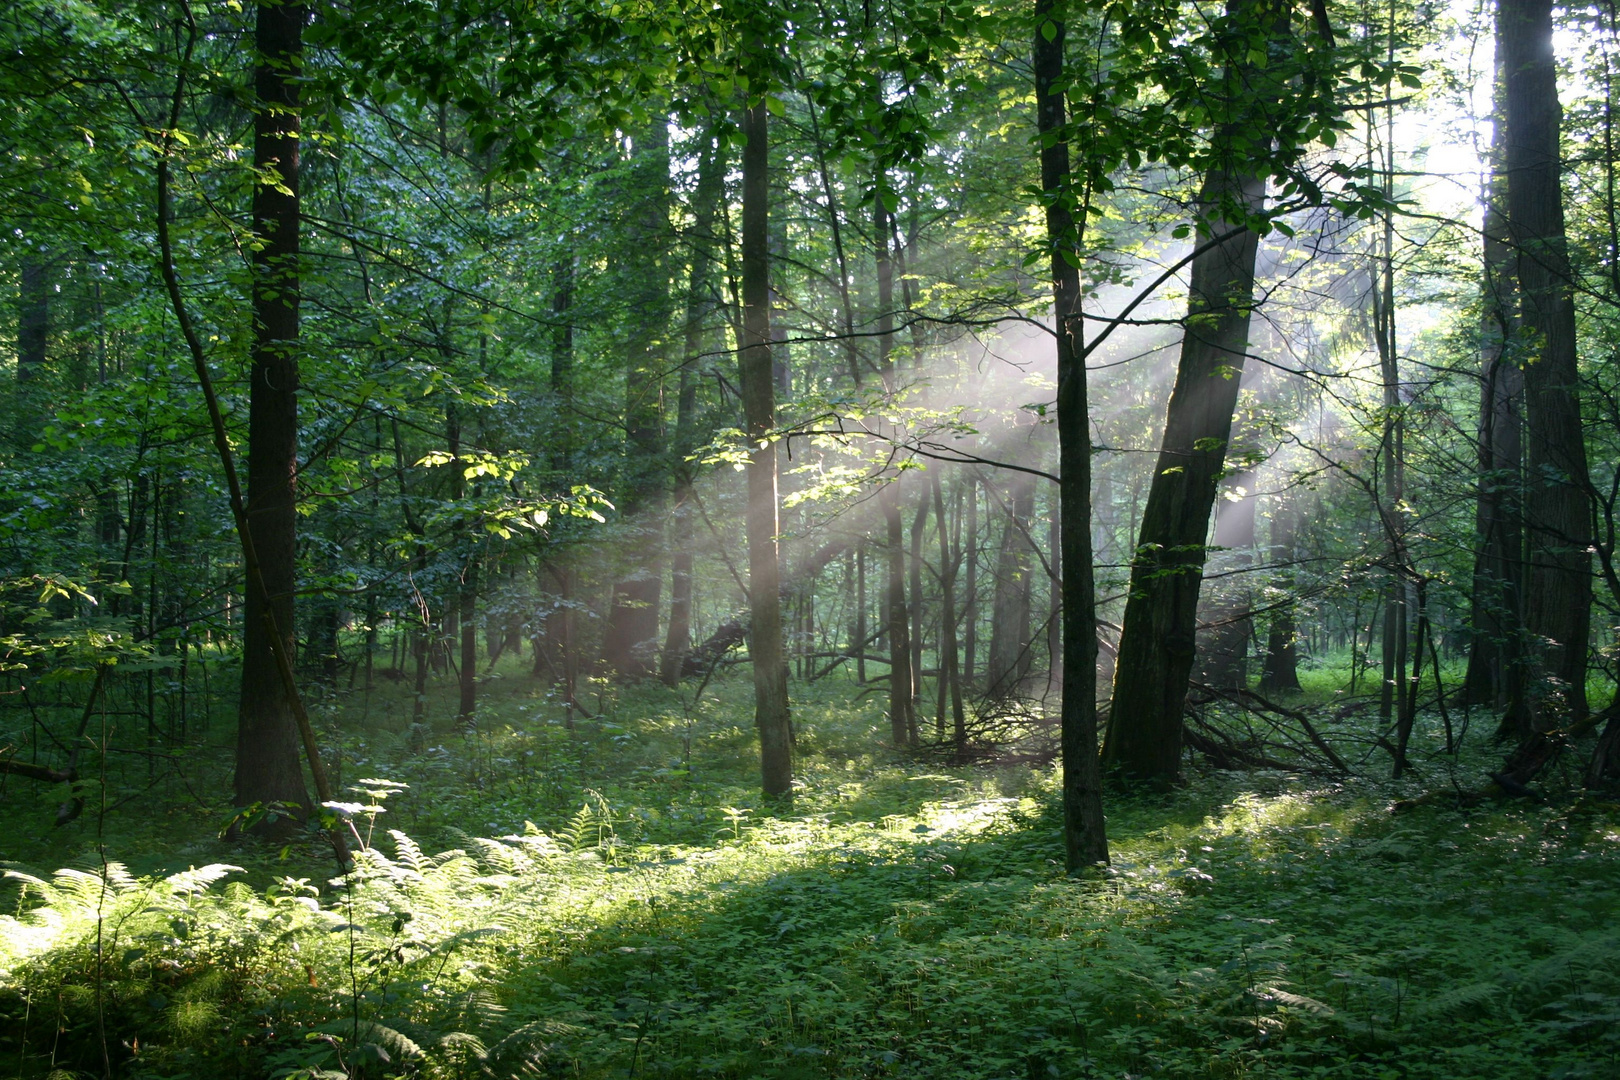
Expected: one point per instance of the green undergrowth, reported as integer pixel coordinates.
(615, 901)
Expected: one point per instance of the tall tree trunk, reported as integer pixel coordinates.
(267, 748)
(759, 417)
(950, 682)
(902, 679)
(554, 645)
(465, 551)
(970, 616)
(914, 608)
(860, 614)
(1496, 605)
(1557, 508)
(1157, 641)
(700, 290)
(630, 645)
(1085, 840)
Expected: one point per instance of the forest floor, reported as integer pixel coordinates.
(616, 901)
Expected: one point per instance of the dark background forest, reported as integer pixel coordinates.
(809, 539)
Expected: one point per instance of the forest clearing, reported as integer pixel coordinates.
(793, 538)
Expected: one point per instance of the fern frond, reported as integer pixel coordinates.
(199, 878)
(1459, 1001)
(1300, 1002)
(397, 1043)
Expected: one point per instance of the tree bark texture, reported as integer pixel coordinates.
(1557, 508)
(267, 749)
(759, 414)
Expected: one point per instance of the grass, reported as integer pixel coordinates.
(615, 901)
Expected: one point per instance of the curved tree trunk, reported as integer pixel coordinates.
(1157, 642)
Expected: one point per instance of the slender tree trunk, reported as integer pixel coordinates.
(465, 551)
(1557, 506)
(759, 413)
(950, 682)
(860, 614)
(970, 644)
(267, 749)
(699, 308)
(914, 609)
(554, 647)
(630, 645)
(1085, 838)
(1157, 641)
(902, 679)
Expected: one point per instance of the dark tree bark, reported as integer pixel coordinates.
(267, 749)
(1157, 641)
(759, 414)
(1085, 839)
(1556, 507)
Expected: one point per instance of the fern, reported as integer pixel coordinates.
(1461, 1001)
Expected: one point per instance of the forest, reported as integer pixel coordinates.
(802, 538)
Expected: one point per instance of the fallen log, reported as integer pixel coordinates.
(734, 631)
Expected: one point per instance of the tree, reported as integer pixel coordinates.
(1085, 838)
(1557, 508)
(1157, 644)
(759, 411)
(267, 765)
